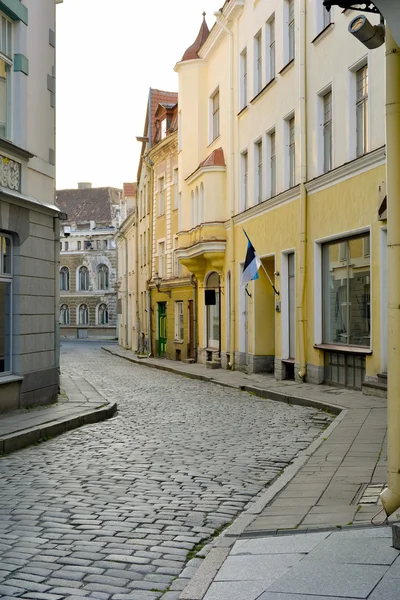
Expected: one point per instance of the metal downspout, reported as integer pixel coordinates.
(126, 295)
(391, 495)
(194, 284)
(301, 298)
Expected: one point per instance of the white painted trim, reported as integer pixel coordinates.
(264, 207)
(369, 161)
(343, 234)
(318, 322)
(383, 298)
(284, 296)
(201, 248)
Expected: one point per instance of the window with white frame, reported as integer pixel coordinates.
(6, 278)
(64, 314)
(257, 62)
(327, 131)
(161, 259)
(141, 249)
(192, 209)
(176, 195)
(102, 314)
(362, 110)
(163, 128)
(201, 204)
(292, 152)
(161, 197)
(215, 115)
(6, 68)
(243, 79)
(179, 323)
(258, 147)
(79, 245)
(346, 278)
(179, 131)
(245, 177)
(64, 279)
(270, 35)
(272, 163)
(177, 264)
(83, 314)
(325, 16)
(66, 246)
(144, 250)
(83, 279)
(289, 41)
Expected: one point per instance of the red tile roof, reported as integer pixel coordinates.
(129, 189)
(159, 97)
(215, 159)
(193, 51)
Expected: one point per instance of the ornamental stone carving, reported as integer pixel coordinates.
(10, 173)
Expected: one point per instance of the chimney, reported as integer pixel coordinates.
(84, 185)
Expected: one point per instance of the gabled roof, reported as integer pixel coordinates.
(90, 204)
(193, 51)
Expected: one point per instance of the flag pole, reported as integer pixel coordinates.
(269, 279)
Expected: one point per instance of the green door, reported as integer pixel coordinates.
(162, 328)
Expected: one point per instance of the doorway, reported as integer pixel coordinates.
(213, 300)
(191, 349)
(162, 328)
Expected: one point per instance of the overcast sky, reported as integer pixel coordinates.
(108, 55)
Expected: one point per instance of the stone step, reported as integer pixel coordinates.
(213, 364)
(382, 377)
(374, 388)
(188, 361)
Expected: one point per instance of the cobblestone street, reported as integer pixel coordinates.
(113, 510)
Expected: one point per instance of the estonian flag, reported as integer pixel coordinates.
(251, 264)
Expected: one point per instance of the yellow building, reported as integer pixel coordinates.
(277, 138)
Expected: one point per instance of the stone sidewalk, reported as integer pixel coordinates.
(79, 404)
(334, 484)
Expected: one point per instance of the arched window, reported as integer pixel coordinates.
(196, 206)
(103, 314)
(103, 277)
(213, 310)
(83, 314)
(64, 314)
(64, 279)
(201, 208)
(192, 215)
(83, 279)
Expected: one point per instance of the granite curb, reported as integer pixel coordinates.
(54, 426)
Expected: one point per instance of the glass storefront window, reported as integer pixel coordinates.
(346, 292)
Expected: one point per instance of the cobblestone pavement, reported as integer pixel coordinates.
(114, 510)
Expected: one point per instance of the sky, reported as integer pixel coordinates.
(108, 56)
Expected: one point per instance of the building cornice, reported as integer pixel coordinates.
(259, 209)
(167, 146)
(202, 171)
(360, 165)
(201, 248)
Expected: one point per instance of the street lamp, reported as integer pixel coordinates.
(157, 281)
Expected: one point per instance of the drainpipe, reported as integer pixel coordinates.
(194, 284)
(57, 293)
(301, 313)
(391, 495)
(126, 295)
(218, 15)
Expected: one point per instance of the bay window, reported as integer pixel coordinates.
(6, 64)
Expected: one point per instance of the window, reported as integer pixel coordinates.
(292, 152)
(259, 171)
(103, 277)
(64, 314)
(177, 264)
(79, 245)
(6, 67)
(326, 17)
(105, 244)
(176, 195)
(362, 110)
(163, 129)
(102, 313)
(144, 250)
(215, 115)
(83, 279)
(179, 131)
(161, 197)
(201, 205)
(64, 279)
(161, 259)
(5, 303)
(346, 292)
(272, 167)
(290, 32)
(196, 206)
(60, 246)
(192, 209)
(141, 250)
(245, 176)
(257, 63)
(243, 79)
(271, 72)
(83, 314)
(327, 132)
(179, 321)
(98, 244)
(66, 246)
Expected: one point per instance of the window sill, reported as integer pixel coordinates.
(178, 341)
(287, 67)
(263, 90)
(214, 140)
(4, 379)
(346, 349)
(243, 110)
(322, 34)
